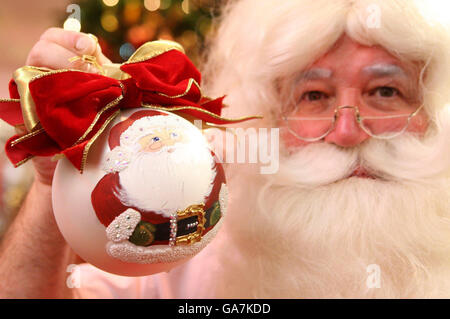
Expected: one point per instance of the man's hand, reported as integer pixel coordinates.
(53, 50)
(56, 46)
(33, 252)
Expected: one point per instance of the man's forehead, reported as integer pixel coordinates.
(349, 58)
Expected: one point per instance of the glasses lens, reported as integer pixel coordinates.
(309, 128)
(385, 127)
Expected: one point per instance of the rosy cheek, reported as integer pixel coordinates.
(418, 124)
(289, 140)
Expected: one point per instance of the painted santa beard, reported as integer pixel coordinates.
(166, 182)
(317, 238)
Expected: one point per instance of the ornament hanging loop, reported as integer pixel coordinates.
(90, 60)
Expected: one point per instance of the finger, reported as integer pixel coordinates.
(51, 55)
(101, 58)
(77, 42)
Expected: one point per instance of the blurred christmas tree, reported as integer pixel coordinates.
(123, 25)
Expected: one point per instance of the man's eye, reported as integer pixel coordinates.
(314, 96)
(385, 91)
(155, 139)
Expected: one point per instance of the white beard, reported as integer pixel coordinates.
(308, 231)
(165, 182)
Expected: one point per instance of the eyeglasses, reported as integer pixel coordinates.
(310, 129)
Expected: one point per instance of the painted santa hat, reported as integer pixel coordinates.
(124, 136)
(127, 133)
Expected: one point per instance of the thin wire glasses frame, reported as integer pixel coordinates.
(359, 120)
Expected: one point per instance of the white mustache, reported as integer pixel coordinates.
(406, 157)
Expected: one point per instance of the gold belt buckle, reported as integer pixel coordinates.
(193, 210)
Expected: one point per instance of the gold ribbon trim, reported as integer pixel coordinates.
(22, 77)
(90, 60)
(188, 88)
(188, 107)
(27, 136)
(94, 138)
(9, 100)
(152, 49)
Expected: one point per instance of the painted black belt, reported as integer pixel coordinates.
(185, 227)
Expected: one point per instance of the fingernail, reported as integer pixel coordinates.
(83, 44)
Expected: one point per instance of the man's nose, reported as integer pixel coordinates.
(347, 132)
(169, 141)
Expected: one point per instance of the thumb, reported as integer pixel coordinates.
(77, 42)
(86, 44)
(101, 58)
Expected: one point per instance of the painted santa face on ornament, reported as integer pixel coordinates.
(161, 183)
(164, 137)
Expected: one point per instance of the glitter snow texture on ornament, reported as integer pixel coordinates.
(123, 225)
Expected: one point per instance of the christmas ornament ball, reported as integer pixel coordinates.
(150, 197)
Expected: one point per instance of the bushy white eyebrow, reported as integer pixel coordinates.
(384, 69)
(377, 70)
(315, 73)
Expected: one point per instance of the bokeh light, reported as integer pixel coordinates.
(126, 50)
(188, 39)
(72, 24)
(116, 22)
(109, 22)
(203, 25)
(110, 3)
(152, 5)
(132, 12)
(185, 6)
(140, 34)
(165, 4)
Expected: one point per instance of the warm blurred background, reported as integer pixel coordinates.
(120, 25)
(123, 26)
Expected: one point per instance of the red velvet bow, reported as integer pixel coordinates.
(74, 107)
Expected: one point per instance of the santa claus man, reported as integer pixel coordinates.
(360, 205)
(168, 193)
